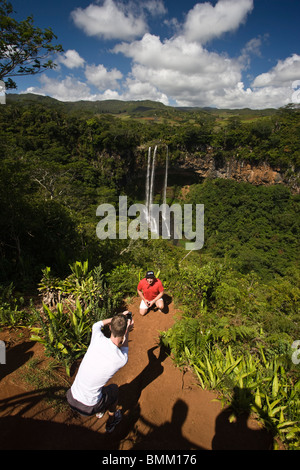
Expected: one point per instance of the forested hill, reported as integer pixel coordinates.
(133, 108)
(59, 161)
(267, 136)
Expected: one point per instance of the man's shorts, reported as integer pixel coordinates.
(109, 397)
(144, 306)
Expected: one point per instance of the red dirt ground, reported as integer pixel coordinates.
(163, 408)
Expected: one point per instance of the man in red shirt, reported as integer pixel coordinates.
(151, 290)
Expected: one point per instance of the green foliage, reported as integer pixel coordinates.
(255, 227)
(83, 285)
(60, 164)
(123, 281)
(65, 334)
(11, 311)
(70, 307)
(197, 285)
(24, 48)
(273, 139)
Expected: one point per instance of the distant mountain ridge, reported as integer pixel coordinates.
(143, 107)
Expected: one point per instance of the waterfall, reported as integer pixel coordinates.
(165, 195)
(152, 223)
(152, 220)
(166, 178)
(149, 190)
(148, 185)
(152, 179)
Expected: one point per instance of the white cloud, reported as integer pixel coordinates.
(179, 69)
(253, 47)
(205, 22)
(110, 21)
(138, 87)
(189, 75)
(100, 77)
(34, 90)
(71, 59)
(237, 97)
(155, 7)
(283, 74)
(176, 54)
(138, 90)
(107, 95)
(68, 89)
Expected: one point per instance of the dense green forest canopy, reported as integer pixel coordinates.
(59, 161)
(269, 135)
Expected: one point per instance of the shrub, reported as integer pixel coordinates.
(73, 305)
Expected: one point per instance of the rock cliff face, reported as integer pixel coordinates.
(241, 171)
(211, 166)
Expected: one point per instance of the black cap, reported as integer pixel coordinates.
(150, 274)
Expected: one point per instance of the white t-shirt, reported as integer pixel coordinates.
(101, 361)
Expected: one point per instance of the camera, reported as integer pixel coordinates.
(128, 316)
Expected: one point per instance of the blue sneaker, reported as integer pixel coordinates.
(110, 426)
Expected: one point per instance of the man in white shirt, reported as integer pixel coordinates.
(105, 356)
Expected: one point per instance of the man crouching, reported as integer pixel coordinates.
(89, 393)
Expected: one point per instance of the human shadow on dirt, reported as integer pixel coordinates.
(164, 437)
(37, 434)
(129, 394)
(19, 432)
(65, 431)
(232, 431)
(16, 356)
(23, 425)
(169, 435)
(167, 301)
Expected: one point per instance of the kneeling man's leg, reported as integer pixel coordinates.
(143, 308)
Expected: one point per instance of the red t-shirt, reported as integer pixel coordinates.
(150, 291)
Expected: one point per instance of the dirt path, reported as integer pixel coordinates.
(163, 408)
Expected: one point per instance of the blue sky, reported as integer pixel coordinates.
(220, 53)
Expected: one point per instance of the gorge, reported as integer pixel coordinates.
(192, 168)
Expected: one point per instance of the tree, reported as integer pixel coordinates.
(24, 48)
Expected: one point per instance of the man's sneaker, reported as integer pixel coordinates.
(110, 426)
